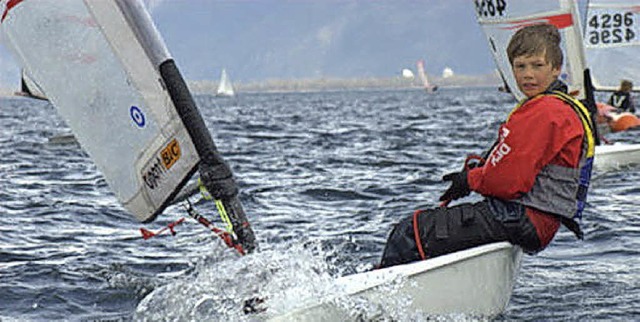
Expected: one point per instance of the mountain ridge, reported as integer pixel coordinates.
(275, 39)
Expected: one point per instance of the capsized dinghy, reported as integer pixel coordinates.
(106, 69)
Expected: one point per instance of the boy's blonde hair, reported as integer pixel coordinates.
(535, 40)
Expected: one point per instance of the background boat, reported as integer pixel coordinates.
(612, 43)
(612, 49)
(29, 88)
(225, 88)
(422, 75)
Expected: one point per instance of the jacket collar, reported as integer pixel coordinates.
(557, 85)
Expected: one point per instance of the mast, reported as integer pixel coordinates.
(215, 173)
(145, 133)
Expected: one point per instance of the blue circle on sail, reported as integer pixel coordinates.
(137, 116)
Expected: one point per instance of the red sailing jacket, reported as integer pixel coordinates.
(544, 130)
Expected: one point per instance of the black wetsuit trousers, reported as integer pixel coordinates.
(446, 230)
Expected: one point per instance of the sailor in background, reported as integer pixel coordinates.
(534, 177)
(621, 99)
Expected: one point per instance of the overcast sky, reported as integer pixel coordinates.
(276, 39)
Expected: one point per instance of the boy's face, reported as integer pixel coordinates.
(533, 73)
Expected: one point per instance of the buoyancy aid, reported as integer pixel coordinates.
(622, 101)
(560, 190)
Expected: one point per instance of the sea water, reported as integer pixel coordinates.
(323, 178)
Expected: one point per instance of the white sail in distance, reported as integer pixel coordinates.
(423, 77)
(29, 87)
(225, 88)
(98, 62)
(407, 74)
(612, 42)
(500, 19)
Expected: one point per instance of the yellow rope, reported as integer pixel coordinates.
(219, 205)
(224, 216)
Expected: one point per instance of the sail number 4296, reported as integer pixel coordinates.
(611, 28)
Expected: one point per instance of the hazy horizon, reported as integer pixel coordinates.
(275, 39)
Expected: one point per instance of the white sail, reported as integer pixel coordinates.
(407, 74)
(501, 19)
(225, 88)
(612, 42)
(98, 61)
(447, 72)
(423, 77)
(29, 87)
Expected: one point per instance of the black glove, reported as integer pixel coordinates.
(459, 186)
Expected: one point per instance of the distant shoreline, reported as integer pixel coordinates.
(307, 85)
(329, 84)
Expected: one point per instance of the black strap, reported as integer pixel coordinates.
(573, 226)
(442, 225)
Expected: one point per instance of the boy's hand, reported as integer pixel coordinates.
(459, 186)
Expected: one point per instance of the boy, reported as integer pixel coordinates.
(534, 178)
(621, 99)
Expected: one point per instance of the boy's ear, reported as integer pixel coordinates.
(555, 71)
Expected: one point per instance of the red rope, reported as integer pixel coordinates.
(225, 236)
(416, 234)
(444, 204)
(473, 157)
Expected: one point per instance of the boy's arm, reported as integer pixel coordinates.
(533, 138)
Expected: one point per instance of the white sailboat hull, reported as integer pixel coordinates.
(477, 281)
(615, 156)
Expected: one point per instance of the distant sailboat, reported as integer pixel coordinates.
(407, 74)
(447, 72)
(29, 88)
(225, 88)
(423, 77)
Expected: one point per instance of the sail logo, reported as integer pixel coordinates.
(501, 149)
(137, 116)
(156, 171)
(170, 154)
(618, 100)
(561, 21)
